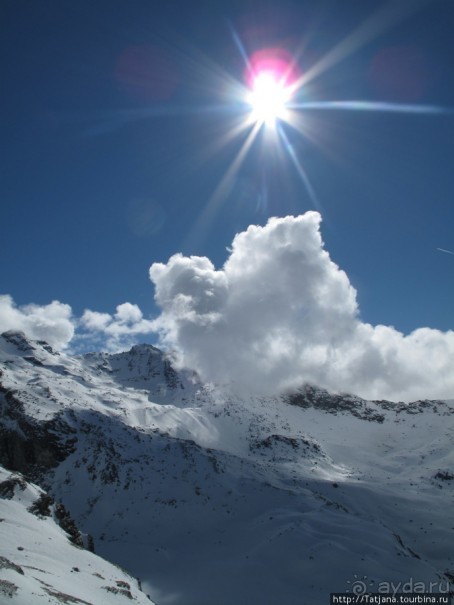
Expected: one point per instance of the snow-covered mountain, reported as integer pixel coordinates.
(212, 498)
(43, 559)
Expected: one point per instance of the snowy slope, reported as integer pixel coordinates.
(38, 562)
(211, 498)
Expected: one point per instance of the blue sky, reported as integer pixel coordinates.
(113, 111)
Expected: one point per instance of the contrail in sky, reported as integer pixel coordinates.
(447, 251)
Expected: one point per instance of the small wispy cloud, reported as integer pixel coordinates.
(114, 332)
(56, 324)
(447, 251)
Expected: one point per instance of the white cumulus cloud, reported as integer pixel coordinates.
(53, 322)
(281, 313)
(114, 332)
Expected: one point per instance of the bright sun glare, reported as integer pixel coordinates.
(268, 98)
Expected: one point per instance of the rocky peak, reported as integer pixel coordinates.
(18, 340)
(143, 366)
(20, 343)
(318, 398)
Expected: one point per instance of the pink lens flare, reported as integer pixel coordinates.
(277, 63)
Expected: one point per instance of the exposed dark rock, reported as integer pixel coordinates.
(90, 543)
(408, 550)
(8, 487)
(28, 446)
(18, 339)
(309, 396)
(281, 447)
(7, 564)
(268, 442)
(47, 347)
(416, 407)
(41, 506)
(171, 376)
(33, 360)
(8, 589)
(120, 591)
(66, 522)
(444, 476)
(62, 597)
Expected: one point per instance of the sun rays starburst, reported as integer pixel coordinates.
(268, 110)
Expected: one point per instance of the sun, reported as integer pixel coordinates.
(268, 98)
(270, 75)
